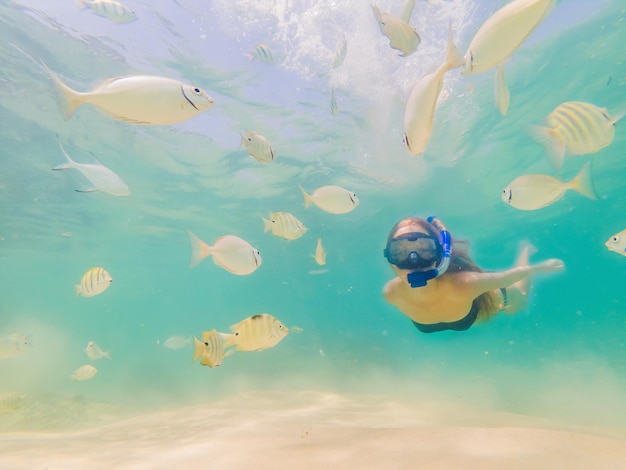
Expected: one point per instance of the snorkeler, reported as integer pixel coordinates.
(440, 288)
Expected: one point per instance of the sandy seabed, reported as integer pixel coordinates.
(316, 430)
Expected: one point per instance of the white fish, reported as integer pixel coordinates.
(402, 36)
(257, 332)
(14, 344)
(419, 111)
(340, 53)
(140, 99)
(331, 199)
(575, 128)
(94, 352)
(316, 272)
(617, 243)
(83, 373)
(95, 281)
(176, 342)
(10, 401)
(262, 53)
(504, 32)
(211, 348)
(285, 225)
(102, 178)
(110, 9)
(531, 192)
(258, 146)
(320, 253)
(230, 252)
(501, 91)
(334, 109)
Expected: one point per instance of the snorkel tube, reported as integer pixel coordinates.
(420, 278)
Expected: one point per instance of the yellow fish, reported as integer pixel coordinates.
(402, 36)
(258, 147)
(111, 9)
(258, 332)
(95, 281)
(320, 253)
(617, 243)
(211, 348)
(14, 344)
(577, 128)
(230, 252)
(139, 99)
(262, 53)
(331, 199)
(340, 53)
(83, 373)
(94, 352)
(285, 225)
(531, 192)
(501, 91)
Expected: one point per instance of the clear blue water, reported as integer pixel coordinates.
(562, 358)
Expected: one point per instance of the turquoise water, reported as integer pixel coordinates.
(562, 358)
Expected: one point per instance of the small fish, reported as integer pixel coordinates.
(320, 253)
(83, 373)
(139, 99)
(504, 32)
(262, 53)
(501, 91)
(14, 344)
(256, 333)
(419, 111)
(176, 342)
(110, 9)
(331, 199)
(95, 281)
(340, 53)
(230, 252)
(402, 36)
(258, 147)
(617, 243)
(575, 128)
(285, 225)
(316, 272)
(10, 401)
(531, 192)
(211, 348)
(94, 352)
(99, 175)
(334, 109)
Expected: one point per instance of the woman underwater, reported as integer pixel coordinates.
(440, 288)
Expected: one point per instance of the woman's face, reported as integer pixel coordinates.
(426, 247)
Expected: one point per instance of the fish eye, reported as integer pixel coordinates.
(197, 91)
(615, 239)
(237, 334)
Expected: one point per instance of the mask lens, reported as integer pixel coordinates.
(413, 251)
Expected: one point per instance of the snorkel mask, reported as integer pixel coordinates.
(415, 251)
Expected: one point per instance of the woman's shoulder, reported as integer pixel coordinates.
(391, 289)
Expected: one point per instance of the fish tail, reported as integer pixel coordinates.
(453, 56)
(199, 250)
(69, 99)
(583, 183)
(199, 348)
(555, 147)
(78, 290)
(227, 339)
(307, 198)
(250, 56)
(377, 13)
(267, 225)
(69, 163)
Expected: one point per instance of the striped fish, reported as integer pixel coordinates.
(340, 53)
(285, 225)
(258, 332)
(575, 128)
(262, 53)
(258, 146)
(211, 348)
(334, 109)
(401, 35)
(111, 9)
(94, 282)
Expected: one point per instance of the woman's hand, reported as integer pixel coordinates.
(549, 266)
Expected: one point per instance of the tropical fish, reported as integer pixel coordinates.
(102, 178)
(95, 281)
(340, 53)
(211, 348)
(501, 91)
(402, 36)
(94, 352)
(110, 9)
(14, 344)
(176, 342)
(320, 253)
(285, 225)
(256, 333)
(334, 109)
(83, 373)
(139, 99)
(230, 252)
(504, 32)
(331, 199)
(10, 401)
(576, 128)
(531, 192)
(617, 243)
(419, 111)
(258, 146)
(262, 53)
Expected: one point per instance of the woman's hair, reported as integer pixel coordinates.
(459, 261)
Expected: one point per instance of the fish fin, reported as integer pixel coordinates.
(250, 56)
(78, 290)
(307, 198)
(501, 91)
(88, 190)
(107, 355)
(615, 119)
(199, 250)
(453, 56)
(229, 352)
(406, 10)
(199, 348)
(267, 225)
(583, 183)
(555, 147)
(69, 99)
(69, 163)
(377, 13)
